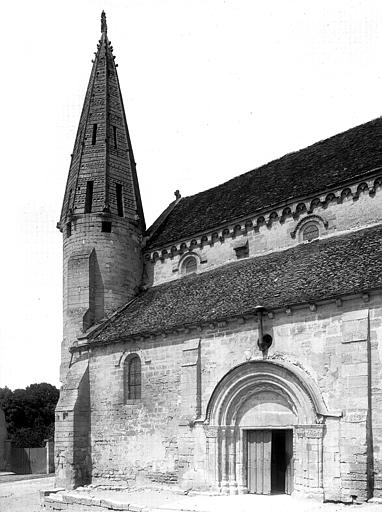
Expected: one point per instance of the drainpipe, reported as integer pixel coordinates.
(265, 340)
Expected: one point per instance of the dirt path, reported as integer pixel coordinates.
(23, 495)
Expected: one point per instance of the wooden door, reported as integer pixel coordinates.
(289, 461)
(259, 461)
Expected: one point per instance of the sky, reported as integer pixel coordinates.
(212, 89)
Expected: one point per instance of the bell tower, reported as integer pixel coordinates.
(102, 219)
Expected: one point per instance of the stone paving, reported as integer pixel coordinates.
(23, 496)
(165, 500)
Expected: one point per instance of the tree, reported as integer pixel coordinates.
(29, 413)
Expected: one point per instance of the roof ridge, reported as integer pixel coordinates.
(265, 209)
(290, 153)
(161, 219)
(308, 171)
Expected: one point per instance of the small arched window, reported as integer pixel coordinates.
(132, 378)
(310, 231)
(190, 265)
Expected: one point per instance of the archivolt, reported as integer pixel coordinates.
(297, 387)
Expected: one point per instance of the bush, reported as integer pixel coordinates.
(29, 413)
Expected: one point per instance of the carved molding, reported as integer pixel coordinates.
(310, 431)
(210, 431)
(278, 214)
(296, 385)
(305, 220)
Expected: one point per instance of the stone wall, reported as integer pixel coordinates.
(161, 438)
(102, 271)
(136, 439)
(73, 429)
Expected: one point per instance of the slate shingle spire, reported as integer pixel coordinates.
(102, 153)
(102, 219)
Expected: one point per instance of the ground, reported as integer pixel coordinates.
(20, 493)
(166, 500)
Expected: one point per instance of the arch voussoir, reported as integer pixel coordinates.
(261, 394)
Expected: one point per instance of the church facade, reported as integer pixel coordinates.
(234, 346)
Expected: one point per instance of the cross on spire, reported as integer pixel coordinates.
(103, 23)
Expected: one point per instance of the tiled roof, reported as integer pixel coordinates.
(321, 269)
(309, 171)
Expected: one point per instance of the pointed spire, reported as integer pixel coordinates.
(102, 153)
(103, 23)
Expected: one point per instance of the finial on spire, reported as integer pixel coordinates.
(103, 23)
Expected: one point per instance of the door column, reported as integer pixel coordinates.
(224, 483)
(241, 461)
(232, 460)
(309, 449)
(212, 463)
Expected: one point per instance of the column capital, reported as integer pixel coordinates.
(211, 431)
(315, 431)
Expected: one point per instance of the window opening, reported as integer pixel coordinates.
(133, 378)
(94, 135)
(118, 190)
(69, 199)
(106, 226)
(115, 137)
(190, 265)
(89, 196)
(310, 232)
(68, 229)
(242, 252)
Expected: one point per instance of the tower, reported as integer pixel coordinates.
(102, 220)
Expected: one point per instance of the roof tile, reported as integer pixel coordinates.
(309, 272)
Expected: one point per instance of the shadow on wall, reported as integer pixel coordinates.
(82, 462)
(96, 309)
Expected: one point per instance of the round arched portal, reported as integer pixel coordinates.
(262, 418)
